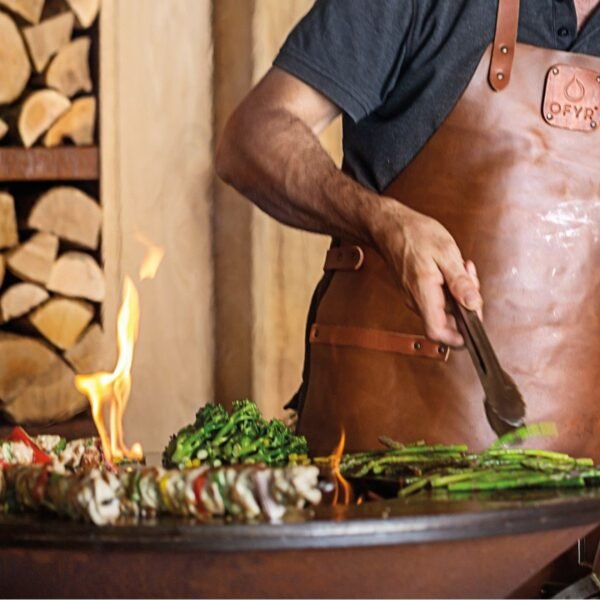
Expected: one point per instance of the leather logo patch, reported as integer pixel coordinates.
(572, 98)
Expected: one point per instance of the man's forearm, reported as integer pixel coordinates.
(279, 163)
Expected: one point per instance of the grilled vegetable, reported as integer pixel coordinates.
(418, 467)
(19, 448)
(103, 497)
(244, 436)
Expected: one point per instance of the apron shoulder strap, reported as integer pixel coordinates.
(505, 41)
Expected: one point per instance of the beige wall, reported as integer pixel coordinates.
(156, 138)
(287, 263)
(225, 316)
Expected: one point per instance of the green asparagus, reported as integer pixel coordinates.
(419, 467)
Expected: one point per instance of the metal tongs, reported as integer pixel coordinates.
(504, 404)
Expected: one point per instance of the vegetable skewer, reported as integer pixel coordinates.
(103, 497)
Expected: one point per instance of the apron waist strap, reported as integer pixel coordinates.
(378, 340)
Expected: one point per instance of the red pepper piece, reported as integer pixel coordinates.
(199, 483)
(18, 434)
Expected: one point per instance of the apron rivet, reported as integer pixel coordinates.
(442, 349)
(417, 345)
(500, 76)
(598, 79)
(555, 71)
(593, 124)
(504, 49)
(549, 116)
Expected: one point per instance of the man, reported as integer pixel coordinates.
(442, 156)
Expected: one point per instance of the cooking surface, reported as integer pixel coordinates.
(398, 521)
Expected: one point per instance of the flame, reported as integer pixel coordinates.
(152, 259)
(340, 481)
(113, 389)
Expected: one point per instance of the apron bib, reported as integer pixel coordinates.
(513, 174)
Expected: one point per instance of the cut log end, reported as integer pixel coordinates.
(70, 214)
(8, 221)
(62, 320)
(14, 62)
(69, 71)
(33, 260)
(2, 268)
(86, 11)
(20, 299)
(47, 38)
(77, 275)
(29, 10)
(36, 385)
(40, 110)
(76, 125)
(89, 354)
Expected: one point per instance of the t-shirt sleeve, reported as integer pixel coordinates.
(352, 51)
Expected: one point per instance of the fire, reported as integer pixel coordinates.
(113, 389)
(340, 481)
(153, 258)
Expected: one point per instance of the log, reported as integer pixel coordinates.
(2, 268)
(62, 320)
(47, 38)
(29, 10)
(89, 354)
(70, 214)
(36, 385)
(3, 128)
(77, 125)
(32, 261)
(86, 11)
(14, 63)
(39, 111)
(77, 275)
(69, 71)
(8, 221)
(20, 299)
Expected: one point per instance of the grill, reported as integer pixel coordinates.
(483, 546)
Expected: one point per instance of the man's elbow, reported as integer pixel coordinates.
(229, 155)
(224, 163)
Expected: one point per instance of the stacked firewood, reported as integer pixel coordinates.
(51, 286)
(45, 82)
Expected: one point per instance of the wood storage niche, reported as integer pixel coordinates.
(51, 274)
(51, 292)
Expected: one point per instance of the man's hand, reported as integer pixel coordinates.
(424, 256)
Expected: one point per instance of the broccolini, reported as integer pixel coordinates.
(244, 436)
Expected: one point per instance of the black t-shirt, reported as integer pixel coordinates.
(396, 68)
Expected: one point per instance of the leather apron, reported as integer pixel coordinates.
(514, 175)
